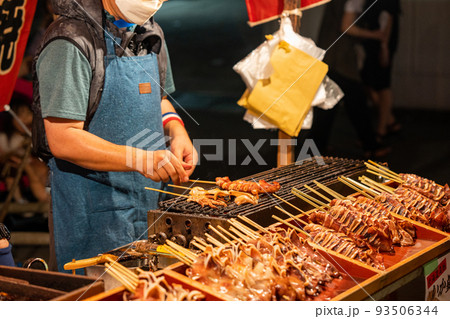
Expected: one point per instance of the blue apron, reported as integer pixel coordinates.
(94, 212)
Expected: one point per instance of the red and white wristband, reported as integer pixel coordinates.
(171, 116)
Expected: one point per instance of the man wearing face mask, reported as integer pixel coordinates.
(101, 77)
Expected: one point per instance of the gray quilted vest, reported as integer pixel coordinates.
(81, 22)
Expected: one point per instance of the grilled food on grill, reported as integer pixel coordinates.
(218, 197)
(277, 266)
(344, 245)
(254, 188)
(151, 288)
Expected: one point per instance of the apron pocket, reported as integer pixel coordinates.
(103, 198)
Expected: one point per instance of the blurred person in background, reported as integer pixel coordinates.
(6, 257)
(380, 16)
(341, 58)
(13, 143)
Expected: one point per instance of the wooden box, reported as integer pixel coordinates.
(31, 284)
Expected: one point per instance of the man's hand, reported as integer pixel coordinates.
(160, 166)
(181, 146)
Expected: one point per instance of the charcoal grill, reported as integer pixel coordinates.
(180, 221)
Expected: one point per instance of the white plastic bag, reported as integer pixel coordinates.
(256, 66)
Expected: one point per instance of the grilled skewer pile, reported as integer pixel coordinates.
(276, 265)
(344, 245)
(417, 198)
(151, 288)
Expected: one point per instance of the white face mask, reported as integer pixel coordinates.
(138, 11)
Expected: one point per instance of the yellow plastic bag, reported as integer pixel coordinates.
(285, 98)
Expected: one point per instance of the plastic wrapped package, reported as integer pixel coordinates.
(256, 66)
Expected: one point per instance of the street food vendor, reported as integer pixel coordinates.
(102, 121)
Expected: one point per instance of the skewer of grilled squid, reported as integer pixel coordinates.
(166, 192)
(178, 255)
(357, 189)
(212, 240)
(292, 216)
(220, 234)
(247, 231)
(378, 186)
(311, 198)
(290, 225)
(378, 171)
(251, 222)
(122, 269)
(183, 250)
(196, 244)
(130, 286)
(223, 230)
(201, 241)
(286, 202)
(368, 190)
(239, 234)
(304, 198)
(317, 193)
(385, 169)
(329, 190)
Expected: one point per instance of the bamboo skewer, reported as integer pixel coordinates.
(196, 244)
(201, 241)
(251, 222)
(230, 235)
(122, 269)
(378, 171)
(290, 225)
(212, 240)
(182, 258)
(329, 190)
(375, 184)
(203, 182)
(359, 190)
(286, 202)
(166, 192)
(242, 228)
(128, 285)
(182, 250)
(292, 216)
(310, 197)
(246, 228)
(299, 195)
(317, 193)
(221, 235)
(385, 169)
(239, 234)
(364, 187)
(179, 186)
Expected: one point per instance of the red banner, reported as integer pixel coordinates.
(265, 10)
(15, 24)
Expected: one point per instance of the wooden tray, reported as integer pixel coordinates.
(171, 277)
(430, 243)
(353, 274)
(32, 284)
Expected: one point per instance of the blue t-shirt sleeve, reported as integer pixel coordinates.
(6, 258)
(64, 75)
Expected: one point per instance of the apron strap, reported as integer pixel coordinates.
(111, 42)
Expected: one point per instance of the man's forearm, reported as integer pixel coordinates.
(87, 150)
